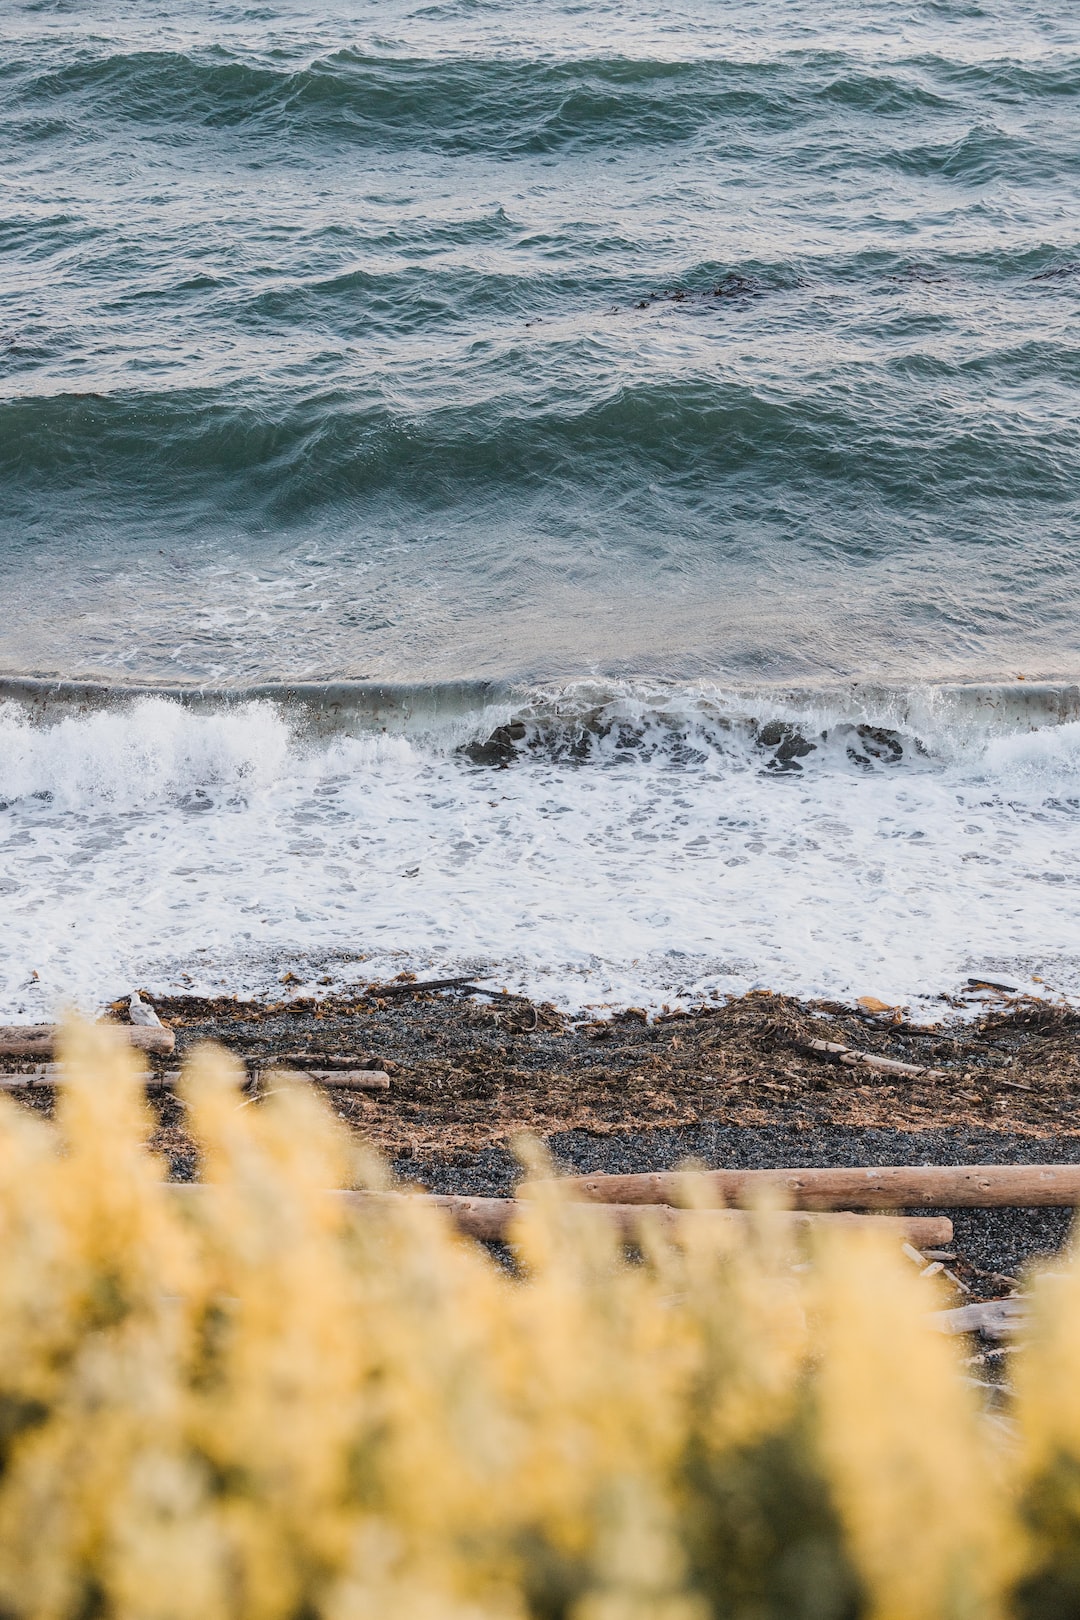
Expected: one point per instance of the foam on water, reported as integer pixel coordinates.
(631, 851)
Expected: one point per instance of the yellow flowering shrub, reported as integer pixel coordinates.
(251, 1400)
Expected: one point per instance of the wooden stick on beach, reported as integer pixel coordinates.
(46, 1076)
(492, 1218)
(945, 1186)
(834, 1052)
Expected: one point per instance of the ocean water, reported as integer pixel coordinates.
(685, 396)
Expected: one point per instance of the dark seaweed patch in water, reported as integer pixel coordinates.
(925, 274)
(871, 745)
(500, 749)
(1059, 272)
(875, 744)
(575, 742)
(734, 287)
(788, 745)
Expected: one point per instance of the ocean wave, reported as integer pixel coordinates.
(665, 847)
(292, 452)
(511, 105)
(498, 723)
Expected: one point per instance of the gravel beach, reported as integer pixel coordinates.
(727, 1084)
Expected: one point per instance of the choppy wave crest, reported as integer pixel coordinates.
(510, 103)
(292, 455)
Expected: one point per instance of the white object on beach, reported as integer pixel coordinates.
(142, 1012)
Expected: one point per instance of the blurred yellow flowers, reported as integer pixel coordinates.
(254, 1402)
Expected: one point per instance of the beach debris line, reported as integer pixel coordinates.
(947, 1186)
(324, 1060)
(406, 985)
(835, 1052)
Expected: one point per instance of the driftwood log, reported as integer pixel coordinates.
(345, 1079)
(833, 1052)
(39, 1040)
(993, 1318)
(491, 1219)
(937, 1186)
(46, 1076)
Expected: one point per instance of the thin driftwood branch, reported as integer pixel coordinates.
(834, 1052)
(415, 987)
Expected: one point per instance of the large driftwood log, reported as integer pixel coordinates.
(941, 1186)
(39, 1040)
(491, 1219)
(43, 1076)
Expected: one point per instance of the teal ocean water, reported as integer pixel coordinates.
(424, 341)
(641, 380)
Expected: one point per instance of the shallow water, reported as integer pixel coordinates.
(728, 354)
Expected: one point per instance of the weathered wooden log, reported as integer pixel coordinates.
(345, 1079)
(47, 1076)
(40, 1076)
(39, 1040)
(851, 1059)
(352, 1079)
(491, 1219)
(941, 1186)
(993, 1318)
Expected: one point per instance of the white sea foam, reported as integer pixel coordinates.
(654, 860)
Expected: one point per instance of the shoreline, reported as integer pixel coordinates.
(723, 1084)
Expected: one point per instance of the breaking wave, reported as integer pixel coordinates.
(591, 844)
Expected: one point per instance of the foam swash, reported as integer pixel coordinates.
(601, 846)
